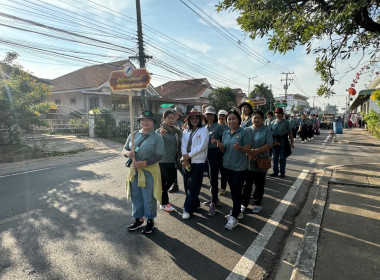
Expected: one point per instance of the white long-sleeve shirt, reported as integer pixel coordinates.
(199, 146)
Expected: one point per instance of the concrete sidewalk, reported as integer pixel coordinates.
(342, 239)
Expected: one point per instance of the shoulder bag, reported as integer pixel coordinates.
(263, 163)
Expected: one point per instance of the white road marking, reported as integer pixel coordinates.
(327, 138)
(51, 167)
(250, 257)
(312, 161)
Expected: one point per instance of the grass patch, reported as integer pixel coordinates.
(119, 139)
(56, 154)
(15, 149)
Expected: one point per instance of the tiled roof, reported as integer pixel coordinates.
(183, 89)
(7, 70)
(239, 95)
(87, 77)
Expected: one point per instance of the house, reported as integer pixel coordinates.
(240, 95)
(88, 88)
(187, 94)
(363, 103)
(294, 100)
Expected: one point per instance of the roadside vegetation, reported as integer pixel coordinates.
(373, 123)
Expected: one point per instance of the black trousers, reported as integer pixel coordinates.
(168, 176)
(254, 177)
(235, 180)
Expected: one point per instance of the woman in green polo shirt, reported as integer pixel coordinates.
(144, 185)
(261, 142)
(234, 162)
(172, 146)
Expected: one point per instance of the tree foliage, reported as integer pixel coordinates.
(22, 98)
(263, 90)
(222, 98)
(348, 27)
(331, 109)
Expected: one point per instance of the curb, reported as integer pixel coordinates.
(359, 143)
(306, 258)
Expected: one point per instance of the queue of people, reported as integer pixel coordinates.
(234, 143)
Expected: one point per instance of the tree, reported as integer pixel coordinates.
(22, 99)
(348, 27)
(222, 98)
(331, 109)
(262, 90)
(300, 108)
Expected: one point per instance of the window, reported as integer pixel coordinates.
(57, 101)
(189, 107)
(94, 102)
(73, 100)
(120, 105)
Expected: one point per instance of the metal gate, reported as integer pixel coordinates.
(64, 121)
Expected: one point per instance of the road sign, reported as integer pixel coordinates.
(258, 101)
(280, 104)
(129, 79)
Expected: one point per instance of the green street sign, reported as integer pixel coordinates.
(281, 105)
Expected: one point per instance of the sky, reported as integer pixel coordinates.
(55, 37)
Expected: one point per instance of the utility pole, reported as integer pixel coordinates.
(271, 100)
(286, 86)
(249, 84)
(141, 57)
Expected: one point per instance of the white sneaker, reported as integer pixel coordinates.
(241, 215)
(167, 208)
(185, 216)
(302, 142)
(256, 209)
(243, 208)
(231, 224)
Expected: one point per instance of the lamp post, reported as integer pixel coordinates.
(249, 83)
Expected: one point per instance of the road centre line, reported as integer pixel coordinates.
(250, 257)
(55, 166)
(327, 138)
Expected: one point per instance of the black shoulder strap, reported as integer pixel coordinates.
(146, 136)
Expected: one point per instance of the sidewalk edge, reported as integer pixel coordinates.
(307, 254)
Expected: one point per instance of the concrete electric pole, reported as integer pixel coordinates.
(286, 86)
(141, 57)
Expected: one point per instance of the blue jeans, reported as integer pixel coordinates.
(214, 160)
(143, 202)
(192, 182)
(235, 180)
(279, 154)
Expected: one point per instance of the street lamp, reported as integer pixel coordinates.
(249, 83)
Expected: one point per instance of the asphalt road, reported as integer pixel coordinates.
(68, 220)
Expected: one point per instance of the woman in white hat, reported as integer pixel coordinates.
(214, 156)
(222, 121)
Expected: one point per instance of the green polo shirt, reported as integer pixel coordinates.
(246, 123)
(178, 124)
(152, 145)
(169, 146)
(234, 159)
(259, 137)
(216, 131)
(280, 128)
(224, 127)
